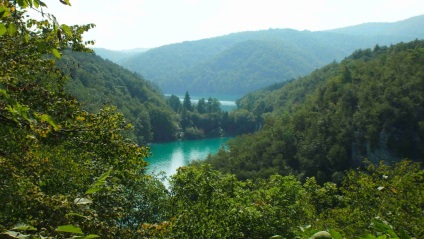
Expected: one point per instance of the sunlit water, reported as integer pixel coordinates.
(168, 157)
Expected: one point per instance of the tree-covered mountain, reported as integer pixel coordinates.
(242, 62)
(96, 82)
(368, 106)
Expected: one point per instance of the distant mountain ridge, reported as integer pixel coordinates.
(405, 29)
(117, 56)
(242, 62)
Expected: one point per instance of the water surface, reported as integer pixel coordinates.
(167, 157)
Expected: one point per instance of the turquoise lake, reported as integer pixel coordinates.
(167, 157)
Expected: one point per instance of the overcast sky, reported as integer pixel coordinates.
(128, 24)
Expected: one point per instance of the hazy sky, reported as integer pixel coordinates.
(127, 24)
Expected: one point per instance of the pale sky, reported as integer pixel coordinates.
(128, 24)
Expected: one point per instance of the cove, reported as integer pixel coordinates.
(167, 157)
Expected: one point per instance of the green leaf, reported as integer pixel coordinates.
(379, 225)
(92, 190)
(3, 29)
(86, 237)
(36, 4)
(82, 201)
(66, 29)
(4, 11)
(41, 46)
(48, 119)
(66, 2)
(72, 214)
(335, 234)
(24, 228)
(69, 229)
(22, 3)
(11, 29)
(42, 3)
(368, 236)
(403, 234)
(14, 234)
(56, 53)
(98, 185)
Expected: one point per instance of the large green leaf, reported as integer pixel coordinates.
(69, 229)
(3, 29)
(14, 234)
(367, 236)
(66, 29)
(82, 201)
(36, 4)
(86, 237)
(335, 234)
(11, 29)
(24, 228)
(48, 119)
(98, 185)
(4, 11)
(41, 46)
(23, 3)
(56, 53)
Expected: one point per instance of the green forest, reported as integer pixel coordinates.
(338, 153)
(368, 106)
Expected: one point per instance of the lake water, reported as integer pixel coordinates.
(167, 157)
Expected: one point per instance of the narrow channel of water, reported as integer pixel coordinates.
(167, 157)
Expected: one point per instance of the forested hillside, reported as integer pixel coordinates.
(96, 82)
(243, 62)
(368, 106)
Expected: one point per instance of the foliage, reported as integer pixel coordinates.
(393, 194)
(210, 204)
(51, 149)
(379, 202)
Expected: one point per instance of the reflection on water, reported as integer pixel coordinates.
(176, 161)
(167, 157)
